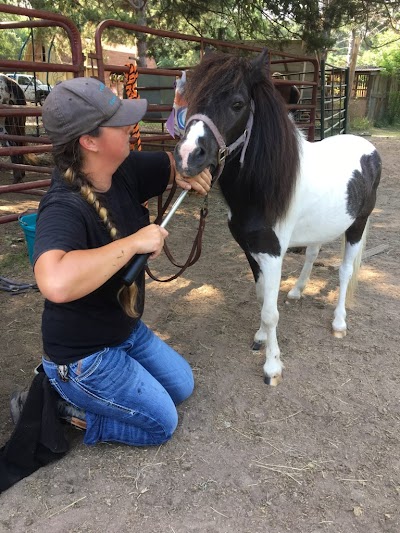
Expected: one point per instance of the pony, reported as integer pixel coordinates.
(12, 94)
(282, 191)
(290, 93)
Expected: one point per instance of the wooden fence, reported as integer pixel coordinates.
(370, 94)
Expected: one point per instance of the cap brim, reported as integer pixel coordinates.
(129, 112)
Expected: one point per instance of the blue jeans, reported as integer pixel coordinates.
(128, 392)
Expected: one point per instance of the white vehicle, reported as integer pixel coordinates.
(34, 89)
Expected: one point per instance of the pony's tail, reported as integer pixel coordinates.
(353, 283)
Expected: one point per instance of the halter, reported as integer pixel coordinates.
(224, 150)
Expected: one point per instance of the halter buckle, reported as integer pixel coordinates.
(222, 154)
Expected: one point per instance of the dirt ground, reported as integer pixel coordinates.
(319, 453)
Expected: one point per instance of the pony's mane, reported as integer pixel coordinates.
(271, 165)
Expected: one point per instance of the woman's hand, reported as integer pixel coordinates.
(201, 183)
(150, 240)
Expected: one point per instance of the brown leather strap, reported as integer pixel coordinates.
(161, 208)
(194, 253)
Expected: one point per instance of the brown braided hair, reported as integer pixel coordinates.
(68, 158)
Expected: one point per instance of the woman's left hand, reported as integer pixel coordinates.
(201, 183)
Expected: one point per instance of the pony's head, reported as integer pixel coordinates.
(221, 88)
(225, 88)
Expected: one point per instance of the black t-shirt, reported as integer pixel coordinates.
(67, 222)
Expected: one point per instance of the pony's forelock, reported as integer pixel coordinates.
(216, 75)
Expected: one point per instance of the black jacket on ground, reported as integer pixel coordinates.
(38, 437)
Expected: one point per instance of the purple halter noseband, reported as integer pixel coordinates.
(224, 150)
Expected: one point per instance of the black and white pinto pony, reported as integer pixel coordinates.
(282, 191)
(12, 94)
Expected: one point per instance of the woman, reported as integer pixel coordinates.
(99, 355)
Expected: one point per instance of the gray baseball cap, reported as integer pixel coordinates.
(77, 106)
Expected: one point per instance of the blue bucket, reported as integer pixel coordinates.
(28, 224)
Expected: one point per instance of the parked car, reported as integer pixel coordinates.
(34, 89)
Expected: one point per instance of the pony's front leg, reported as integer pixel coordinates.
(259, 281)
(271, 268)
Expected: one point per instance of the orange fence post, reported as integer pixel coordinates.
(131, 92)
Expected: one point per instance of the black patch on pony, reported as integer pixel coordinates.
(361, 194)
(361, 189)
(254, 237)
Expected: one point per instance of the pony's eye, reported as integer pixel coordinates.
(237, 106)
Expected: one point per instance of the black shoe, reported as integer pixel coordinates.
(69, 413)
(66, 411)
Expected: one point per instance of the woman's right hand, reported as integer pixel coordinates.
(150, 240)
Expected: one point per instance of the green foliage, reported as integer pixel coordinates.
(393, 110)
(11, 40)
(87, 15)
(381, 49)
(316, 23)
(391, 62)
(360, 124)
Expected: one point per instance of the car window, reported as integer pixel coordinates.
(23, 80)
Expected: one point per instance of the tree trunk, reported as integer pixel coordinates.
(352, 55)
(140, 8)
(141, 42)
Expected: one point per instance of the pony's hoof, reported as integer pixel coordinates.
(339, 334)
(274, 381)
(293, 295)
(257, 346)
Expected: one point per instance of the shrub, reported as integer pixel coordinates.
(393, 110)
(360, 124)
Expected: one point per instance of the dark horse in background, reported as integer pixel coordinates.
(12, 94)
(282, 191)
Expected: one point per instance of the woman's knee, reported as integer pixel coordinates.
(184, 389)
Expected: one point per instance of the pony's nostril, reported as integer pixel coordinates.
(199, 153)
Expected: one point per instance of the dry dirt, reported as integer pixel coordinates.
(319, 453)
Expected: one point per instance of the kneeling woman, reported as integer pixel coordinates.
(99, 355)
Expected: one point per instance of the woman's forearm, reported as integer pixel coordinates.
(66, 276)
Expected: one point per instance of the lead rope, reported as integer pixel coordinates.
(196, 248)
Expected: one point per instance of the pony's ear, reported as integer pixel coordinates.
(260, 64)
